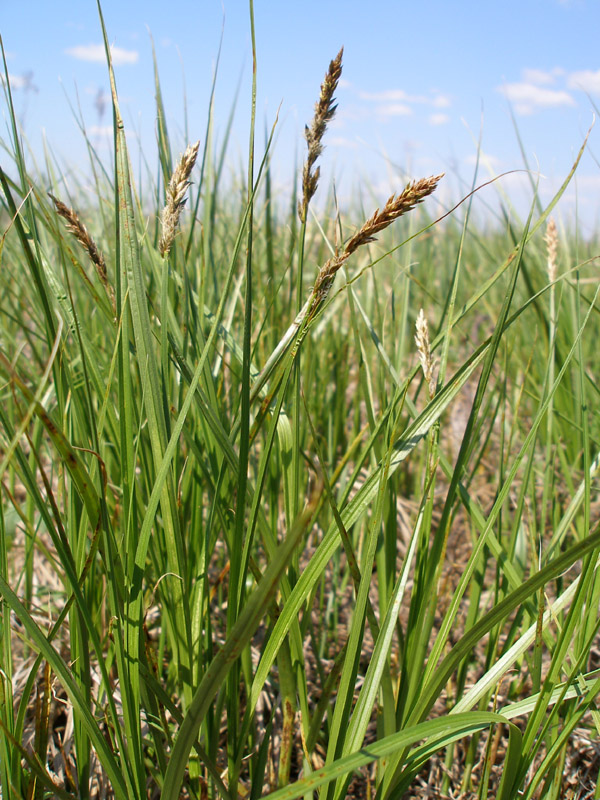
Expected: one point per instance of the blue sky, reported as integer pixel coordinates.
(419, 81)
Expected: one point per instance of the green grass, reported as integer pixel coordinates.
(240, 556)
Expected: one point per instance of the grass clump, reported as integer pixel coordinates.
(265, 539)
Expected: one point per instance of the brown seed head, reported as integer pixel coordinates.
(180, 180)
(324, 113)
(395, 207)
(76, 227)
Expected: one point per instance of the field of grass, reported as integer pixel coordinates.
(294, 501)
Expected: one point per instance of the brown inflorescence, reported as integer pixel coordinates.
(176, 190)
(396, 206)
(80, 232)
(324, 113)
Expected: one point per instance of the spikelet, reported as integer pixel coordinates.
(424, 351)
(551, 238)
(395, 207)
(76, 227)
(324, 113)
(180, 180)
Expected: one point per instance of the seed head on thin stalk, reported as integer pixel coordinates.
(424, 352)
(414, 193)
(324, 113)
(180, 180)
(551, 238)
(395, 207)
(76, 227)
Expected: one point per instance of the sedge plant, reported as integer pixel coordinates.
(266, 532)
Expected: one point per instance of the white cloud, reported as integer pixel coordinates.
(392, 96)
(528, 98)
(538, 76)
(16, 81)
(96, 53)
(587, 183)
(389, 95)
(393, 110)
(586, 79)
(438, 119)
(349, 113)
(441, 101)
(518, 180)
(397, 102)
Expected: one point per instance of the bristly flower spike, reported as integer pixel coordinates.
(76, 227)
(424, 352)
(324, 113)
(395, 207)
(176, 198)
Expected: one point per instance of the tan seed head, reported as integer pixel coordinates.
(176, 198)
